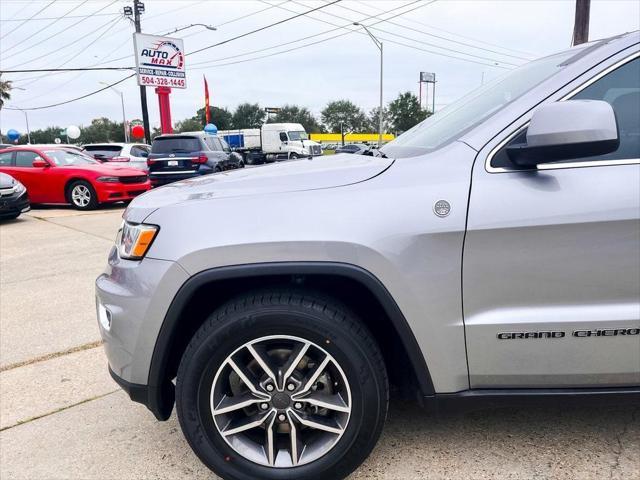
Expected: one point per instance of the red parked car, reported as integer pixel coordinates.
(64, 175)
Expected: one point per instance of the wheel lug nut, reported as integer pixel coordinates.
(264, 406)
(282, 417)
(291, 387)
(269, 388)
(297, 406)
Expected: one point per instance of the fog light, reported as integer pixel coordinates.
(104, 317)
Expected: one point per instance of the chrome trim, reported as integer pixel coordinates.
(172, 173)
(556, 166)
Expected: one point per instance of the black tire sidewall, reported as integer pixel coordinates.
(93, 202)
(368, 391)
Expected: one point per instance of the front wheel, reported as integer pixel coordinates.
(293, 156)
(82, 195)
(282, 384)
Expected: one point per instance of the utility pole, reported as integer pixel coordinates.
(581, 22)
(378, 44)
(138, 8)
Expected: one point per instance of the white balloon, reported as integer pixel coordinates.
(73, 132)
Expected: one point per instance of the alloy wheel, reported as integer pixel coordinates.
(81, 195)
(280, 401)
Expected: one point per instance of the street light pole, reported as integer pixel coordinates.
(378, 44)
(26, 116)
(124, 117)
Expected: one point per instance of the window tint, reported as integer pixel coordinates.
(5, 159)
(283, 137)
(175, 145)
(621, 89)
(25, 159)
(103, 152)
(139, 151)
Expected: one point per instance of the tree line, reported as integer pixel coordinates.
(399, 115)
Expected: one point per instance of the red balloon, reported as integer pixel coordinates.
(137, 131)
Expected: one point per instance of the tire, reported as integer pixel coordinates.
(11, 217)
(81, 195)
(293, 156)
(354, 374)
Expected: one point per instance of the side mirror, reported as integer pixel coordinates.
(144, 154)
(40, 163)
(565, 130)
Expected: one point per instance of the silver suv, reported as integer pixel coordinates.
(490, 254)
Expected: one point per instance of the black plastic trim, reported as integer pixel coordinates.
(158, 400)
(479, 399)
(161, 407)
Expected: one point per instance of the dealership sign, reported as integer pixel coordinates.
(160, 61)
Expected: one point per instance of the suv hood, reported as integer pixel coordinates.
(292, 176)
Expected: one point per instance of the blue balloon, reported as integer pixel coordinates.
(211, 129)
(13, 135)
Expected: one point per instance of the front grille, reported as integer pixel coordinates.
(315, 149)
(135, 193)
(134, 179)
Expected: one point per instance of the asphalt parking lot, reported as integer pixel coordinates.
(62, 417)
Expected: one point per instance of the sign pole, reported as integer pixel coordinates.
(138, 7)
(165, 109)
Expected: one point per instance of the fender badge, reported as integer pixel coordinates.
(441, 208)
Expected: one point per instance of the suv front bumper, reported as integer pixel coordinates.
(132, 298)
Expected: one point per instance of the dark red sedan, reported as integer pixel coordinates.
(64, 175)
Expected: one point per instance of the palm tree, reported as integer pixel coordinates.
(5, 89)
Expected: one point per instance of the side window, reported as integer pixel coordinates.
(283, 137)
(135, 151)
(5, 159)
(621, 89)
(25, 159)
(209, 142)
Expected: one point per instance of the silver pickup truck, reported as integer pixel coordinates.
(490, 254)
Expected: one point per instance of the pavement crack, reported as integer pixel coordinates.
(49, 356)
(43, 219)
(61, 409)
(619, 436)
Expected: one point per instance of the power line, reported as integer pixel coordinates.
(40, 31)
(56, 18)
(416, 22)
(109, 27)
(440, 36)
(495, 65)
(264, 28)
(338, 27)
(405, 37)
(80, 69)
(75, 41)
(75, 99)
(27, 19)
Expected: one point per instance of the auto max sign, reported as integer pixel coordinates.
(160, 61)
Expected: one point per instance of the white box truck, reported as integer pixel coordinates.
(271, 142)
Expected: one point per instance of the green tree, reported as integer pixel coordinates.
(405, 112)
(345, 114)
(5, 91)
(192, 124)
(248, 115)
(296, 114)
(373, 121)
(220, 117)
(46, 135)
(101, 130)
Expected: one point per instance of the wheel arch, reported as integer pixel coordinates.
(356, 287)
(69, 182)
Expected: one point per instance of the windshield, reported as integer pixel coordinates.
(449, 123)
(298, 135)
(69, 158)
(175, 144)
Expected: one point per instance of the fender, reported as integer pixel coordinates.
(160, 391)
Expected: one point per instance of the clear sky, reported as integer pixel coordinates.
(484, 38)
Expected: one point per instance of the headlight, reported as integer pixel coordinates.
(19, 188)
(133, 240)
(109, 179)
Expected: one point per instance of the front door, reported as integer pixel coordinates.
(551, 273)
